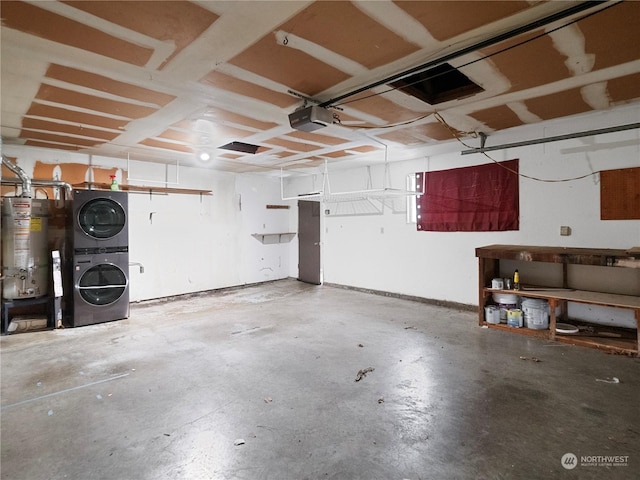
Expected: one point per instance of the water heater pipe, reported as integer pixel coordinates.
(26, 181)
(43, 183)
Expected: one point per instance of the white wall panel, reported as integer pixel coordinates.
(384, 253)
(191, 243)
(188, 243)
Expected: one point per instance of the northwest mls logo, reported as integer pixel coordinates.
(570, 461)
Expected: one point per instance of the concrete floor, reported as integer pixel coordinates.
(167, 393)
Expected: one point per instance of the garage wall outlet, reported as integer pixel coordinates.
(565, 231)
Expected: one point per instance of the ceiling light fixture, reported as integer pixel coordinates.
(204, 156)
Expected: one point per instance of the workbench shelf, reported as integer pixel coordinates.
(559, 293)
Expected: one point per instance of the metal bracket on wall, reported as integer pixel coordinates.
(284, 237)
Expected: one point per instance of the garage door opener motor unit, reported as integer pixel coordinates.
(311, 118)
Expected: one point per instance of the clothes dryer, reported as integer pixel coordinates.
(100, 288)
(100, 221)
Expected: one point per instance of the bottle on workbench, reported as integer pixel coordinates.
(516, 280)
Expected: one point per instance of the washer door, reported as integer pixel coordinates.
(102, 218)
(102, 285)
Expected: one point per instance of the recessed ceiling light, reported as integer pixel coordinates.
(204, 156)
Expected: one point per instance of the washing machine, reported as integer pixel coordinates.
(100, 288)
(100, 221)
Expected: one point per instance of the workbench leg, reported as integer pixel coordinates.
(638, 331)
(553, 305)
(5, 317)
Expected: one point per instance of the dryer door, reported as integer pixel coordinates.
(102, 284)
(102, 218)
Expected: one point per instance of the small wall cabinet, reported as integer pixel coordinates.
(553, 282)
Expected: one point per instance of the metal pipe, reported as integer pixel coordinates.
(137, 264)
(577, 8)
(568, 136)
(55, 184)
(43, 183)
(24, 178)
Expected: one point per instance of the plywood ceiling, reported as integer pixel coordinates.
(166, 80)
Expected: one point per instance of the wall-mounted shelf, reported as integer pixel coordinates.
(270, 238)
(142, 189)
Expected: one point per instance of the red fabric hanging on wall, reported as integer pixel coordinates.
(469, 199)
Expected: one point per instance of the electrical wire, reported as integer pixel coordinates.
(485, 57)
(369, 126)
(455, 133)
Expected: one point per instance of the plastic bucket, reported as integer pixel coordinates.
(536, 313)
(505, 302)
(492, 314)
(514, 318)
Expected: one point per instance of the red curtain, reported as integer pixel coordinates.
(470, 199)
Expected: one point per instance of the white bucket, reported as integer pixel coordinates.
(505, 298)
(492, 314)
(505, 302)
(536, 313)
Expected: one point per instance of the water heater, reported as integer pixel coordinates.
(25, 259)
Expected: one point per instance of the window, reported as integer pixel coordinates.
(411, 199)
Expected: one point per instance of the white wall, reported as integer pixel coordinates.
(191, 243)
(188, 244)
(383, 252)
(199, 243)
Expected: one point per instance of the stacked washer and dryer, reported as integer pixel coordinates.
(100, 258)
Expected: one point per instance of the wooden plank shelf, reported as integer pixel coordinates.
(544, 334)
(621, 346)
(579, 296)
(142, 189)
(577, 256)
